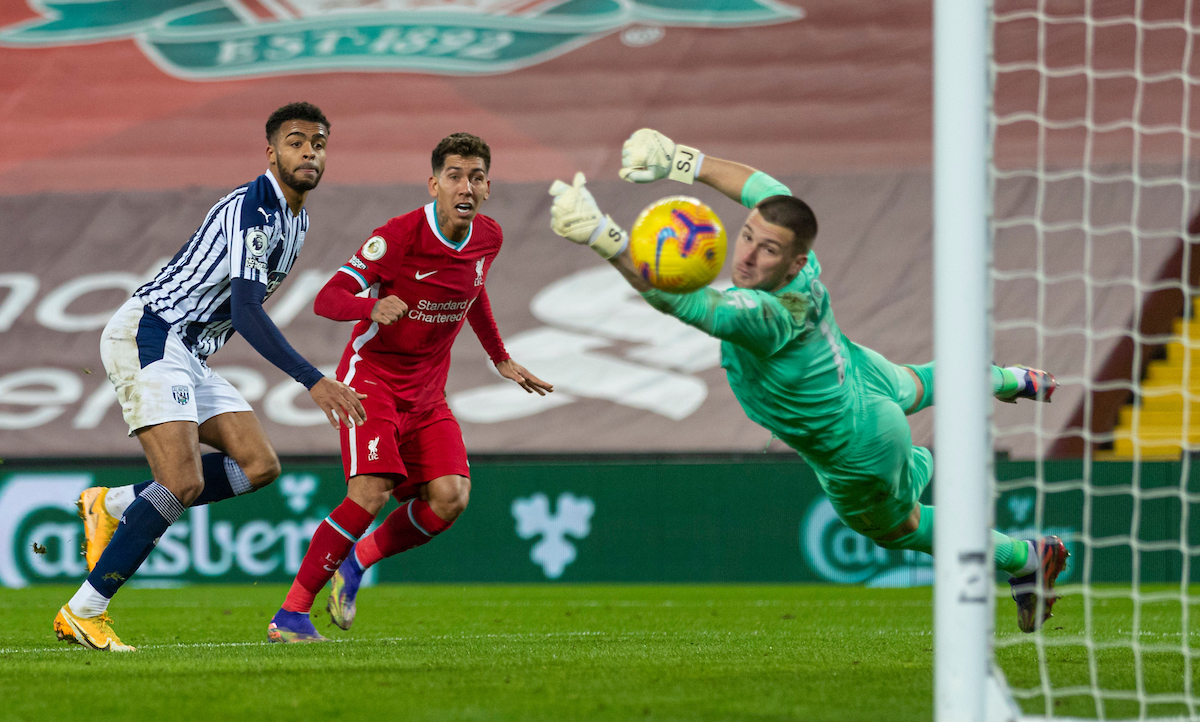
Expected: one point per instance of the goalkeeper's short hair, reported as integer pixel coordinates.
(793, 214)
(464, 144)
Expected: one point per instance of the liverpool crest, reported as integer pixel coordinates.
(209, 39)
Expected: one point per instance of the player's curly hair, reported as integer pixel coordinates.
(464, 144)
(793, 214)
(294, 111)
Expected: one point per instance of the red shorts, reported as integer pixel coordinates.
(420, 446)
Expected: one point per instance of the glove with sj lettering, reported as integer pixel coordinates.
(649, 156)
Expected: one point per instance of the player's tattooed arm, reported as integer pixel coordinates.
(388, 310)
(514, 371)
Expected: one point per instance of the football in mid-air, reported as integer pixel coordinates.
(677, 244)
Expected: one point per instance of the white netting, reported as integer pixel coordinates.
(1094, 188)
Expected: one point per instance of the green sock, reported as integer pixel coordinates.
(1011, 554)
(1004, 382)
(925, 374)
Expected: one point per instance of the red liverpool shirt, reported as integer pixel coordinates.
(441, 281)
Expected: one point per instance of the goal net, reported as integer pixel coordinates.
(1093, 189)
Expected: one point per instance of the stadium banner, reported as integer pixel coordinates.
(208, 39)
(751, 519)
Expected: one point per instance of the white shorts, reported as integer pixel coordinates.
(157, 378)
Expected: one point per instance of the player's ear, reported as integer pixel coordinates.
(270, 154)
(800, 261)
(433, 186)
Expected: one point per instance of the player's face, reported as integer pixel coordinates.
(460, 189)
(297, 154)
(764, 257)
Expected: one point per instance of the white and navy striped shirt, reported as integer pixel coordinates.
(250, 234)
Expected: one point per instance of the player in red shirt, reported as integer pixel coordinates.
(425, 271)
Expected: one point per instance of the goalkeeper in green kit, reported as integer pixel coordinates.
(841, 406)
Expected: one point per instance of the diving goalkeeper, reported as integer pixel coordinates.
(841, 406)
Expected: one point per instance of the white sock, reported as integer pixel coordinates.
(88, 602)
(117, 500)
(1031, 564)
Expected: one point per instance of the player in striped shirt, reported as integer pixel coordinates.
(425, 273)
(841, 406)
(155, 350)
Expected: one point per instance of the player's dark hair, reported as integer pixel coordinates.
(793, 214)
(464, 144)
(294, 111)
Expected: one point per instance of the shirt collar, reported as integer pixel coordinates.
(283, 204)
(431, 218)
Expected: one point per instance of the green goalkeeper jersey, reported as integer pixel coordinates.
(787, 361)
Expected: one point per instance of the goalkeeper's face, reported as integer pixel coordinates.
(766, 256)
(460, 188)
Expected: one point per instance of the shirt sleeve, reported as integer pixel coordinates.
(370, 263)
(484, 325)
(337, 299)
(760, 186)
(754, 320)
(253, 323)
(248, 245)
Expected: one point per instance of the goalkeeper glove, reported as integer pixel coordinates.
(649, 156)
(576, 217)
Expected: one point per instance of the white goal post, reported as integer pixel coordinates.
(963, 588)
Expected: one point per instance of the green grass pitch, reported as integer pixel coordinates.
(539, 652)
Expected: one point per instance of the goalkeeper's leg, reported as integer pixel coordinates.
(1033, 566)
(916, 533)
(881, 500)
(911, 385)
(1009, 383)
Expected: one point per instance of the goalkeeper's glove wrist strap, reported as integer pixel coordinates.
(608, 239)
(685, 164)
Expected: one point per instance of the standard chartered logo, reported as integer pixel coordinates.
(838, 554)
(420, 312)
(40, 536)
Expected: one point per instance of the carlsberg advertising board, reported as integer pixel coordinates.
(748, 519)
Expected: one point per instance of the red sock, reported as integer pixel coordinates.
(326, 552)
(412, 525)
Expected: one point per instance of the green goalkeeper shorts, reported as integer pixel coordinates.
(876, 480)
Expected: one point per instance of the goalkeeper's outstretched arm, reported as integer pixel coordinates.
(755, 320)
(648, 155)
